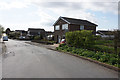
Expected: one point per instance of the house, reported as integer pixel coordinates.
(49, 35)
(36, 32)
(65, 24)
(23, 34)
(105, 33)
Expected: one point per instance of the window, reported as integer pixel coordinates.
(81, 27)
(57, 27)
(64, 26)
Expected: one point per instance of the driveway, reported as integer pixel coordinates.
(23, 60)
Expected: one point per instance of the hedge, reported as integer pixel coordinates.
(83, 38)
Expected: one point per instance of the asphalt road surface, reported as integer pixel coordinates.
(23, 60)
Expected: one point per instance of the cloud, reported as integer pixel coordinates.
(13, 4)
(36, 24)
(49, 10)
(77, 9)
(107, 7)
(48, 13)
(72, 1)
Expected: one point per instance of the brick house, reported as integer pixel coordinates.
(22, 32)
(36, 32)
(49, 35)
(64, 24)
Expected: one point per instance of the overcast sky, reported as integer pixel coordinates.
(24, 14)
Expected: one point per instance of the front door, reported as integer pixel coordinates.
(59, 39)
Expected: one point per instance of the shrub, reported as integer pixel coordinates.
(114, 55)
(37, 38)
(96, 56)
(102, 42)
(101, 56)
(69, 49)
(102, 48)
(57, 48)
(104, 58)
(61, 45)
(90, 54)
(80, 51)
(85, 53)
(113, 61)
(82, 38)
(74, 51)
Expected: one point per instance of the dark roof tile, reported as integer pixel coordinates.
(79, 21)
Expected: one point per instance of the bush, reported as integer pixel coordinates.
(80, 51)
(89, 53)
(100, 56)
(96, 56)
(74, 51)
(61, 45)
(102, 42)
(84, 53)
(102, 48)
(82, 38)
(104, 58)
(113, 61)
(69, 49)
(57, 48)
(37, 38)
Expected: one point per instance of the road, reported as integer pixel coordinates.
(23, 60)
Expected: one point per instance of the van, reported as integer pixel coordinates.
(5, 38)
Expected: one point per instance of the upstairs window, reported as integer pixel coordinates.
(81, 27)
(57, 27)
(64, 26)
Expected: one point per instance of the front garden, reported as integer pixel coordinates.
(83, 43)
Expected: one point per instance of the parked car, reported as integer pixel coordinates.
(5, 38)
(22, 37)
(62, 41)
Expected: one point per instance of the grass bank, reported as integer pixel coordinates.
(111, 59)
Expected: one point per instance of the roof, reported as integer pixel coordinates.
(105, 32)
(19, 30)
(35, 29)
(76, 21)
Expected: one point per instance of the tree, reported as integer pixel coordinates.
(7, 31)
(1, 30)
(14, 35)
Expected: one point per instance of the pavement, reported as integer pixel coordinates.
(0, 59)
(23, 60)
(44, 45)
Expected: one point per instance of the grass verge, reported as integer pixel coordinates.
(107, 58)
